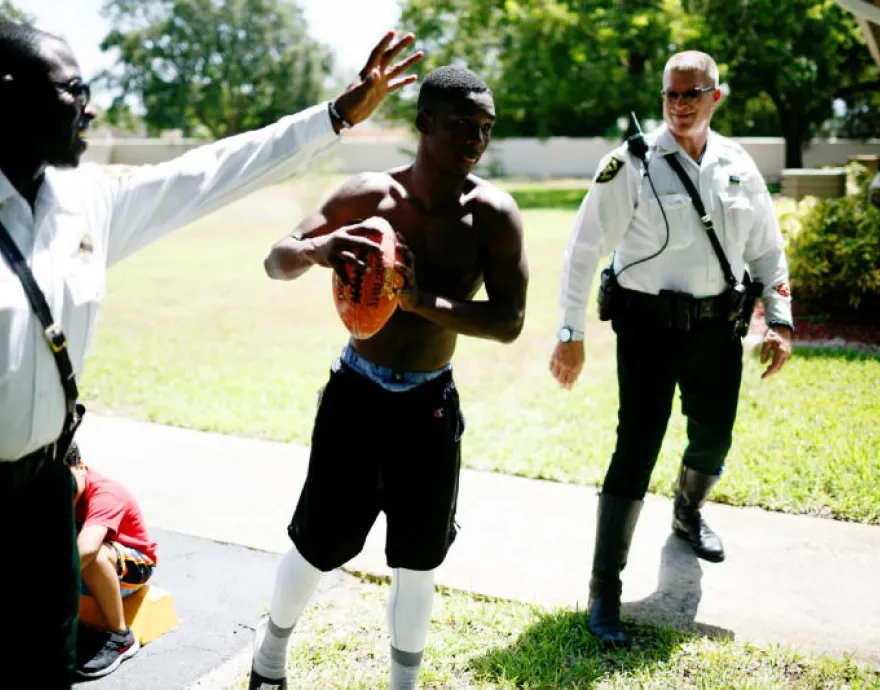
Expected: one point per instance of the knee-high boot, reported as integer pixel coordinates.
(615, 524)
(687, 522)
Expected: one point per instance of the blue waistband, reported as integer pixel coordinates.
(390, 379)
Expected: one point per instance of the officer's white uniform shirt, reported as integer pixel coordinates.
(623, 214)
(86, 219)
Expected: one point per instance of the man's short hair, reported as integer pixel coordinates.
(693, 61)
(20, 50)
(449, 83)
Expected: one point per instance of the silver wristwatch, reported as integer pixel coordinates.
(567, 334)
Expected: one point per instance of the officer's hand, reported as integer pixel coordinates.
(377, 79)
(777, 343)
(567, 362)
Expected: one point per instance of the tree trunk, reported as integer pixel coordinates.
(793, 131)
(794, 145)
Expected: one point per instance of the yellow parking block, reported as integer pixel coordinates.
(149, 612)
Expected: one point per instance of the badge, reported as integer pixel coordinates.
(609, 172)
(783, 289)
(86, 245)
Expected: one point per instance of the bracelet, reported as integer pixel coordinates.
(336, 116)
(783, 324)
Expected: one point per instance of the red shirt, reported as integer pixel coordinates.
(109, 504)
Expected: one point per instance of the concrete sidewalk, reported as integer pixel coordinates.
(796, 580)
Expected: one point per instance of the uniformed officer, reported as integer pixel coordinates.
(70, 223)
(671, 310)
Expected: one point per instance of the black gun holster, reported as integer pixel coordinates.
(607, 288)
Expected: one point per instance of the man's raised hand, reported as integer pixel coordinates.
(377, 79)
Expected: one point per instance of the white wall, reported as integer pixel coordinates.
(556, 157)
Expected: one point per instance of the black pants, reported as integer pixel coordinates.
(706, 363)
(374, 450)
(39, 575)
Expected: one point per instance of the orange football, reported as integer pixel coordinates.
(370, 298)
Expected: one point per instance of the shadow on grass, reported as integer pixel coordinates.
(559, 199)
(560, 652)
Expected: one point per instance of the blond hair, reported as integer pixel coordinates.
(693, 61)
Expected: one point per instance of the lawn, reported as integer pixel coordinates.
(193, 334)
(474, 642)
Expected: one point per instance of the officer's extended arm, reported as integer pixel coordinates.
(765, 256)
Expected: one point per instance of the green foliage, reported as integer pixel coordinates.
(224, 66)
(9, 12)
(834, 252)
(556, 67)
(575, 67)
(801, 54)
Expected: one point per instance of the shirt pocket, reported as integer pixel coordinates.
(14, 315)
(84, 280)
(676, 210)
(84, 287)
(738, 214)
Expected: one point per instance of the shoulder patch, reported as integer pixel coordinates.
(609, 172)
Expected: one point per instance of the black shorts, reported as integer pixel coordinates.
(373, 449)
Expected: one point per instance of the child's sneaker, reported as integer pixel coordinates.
(117, 648)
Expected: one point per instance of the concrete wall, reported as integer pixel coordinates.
(556, 157)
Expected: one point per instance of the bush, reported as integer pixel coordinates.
(834, 252)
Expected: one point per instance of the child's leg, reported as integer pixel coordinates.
(101, 577)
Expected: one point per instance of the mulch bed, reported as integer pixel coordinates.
(818, 330)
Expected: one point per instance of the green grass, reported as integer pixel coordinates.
(559, 199)
(474, 642)
(193, 334)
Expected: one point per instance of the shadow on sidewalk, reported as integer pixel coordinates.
(679, 591)
(560, 651)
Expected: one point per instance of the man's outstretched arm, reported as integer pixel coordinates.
(157, 199)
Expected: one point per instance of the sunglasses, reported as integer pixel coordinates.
(77, 88)
(686, 97)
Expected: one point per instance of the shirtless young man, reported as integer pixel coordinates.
(460, 233)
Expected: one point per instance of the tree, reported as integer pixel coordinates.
(227, 66)
(556, 67)
(9, 12)
(802, 54)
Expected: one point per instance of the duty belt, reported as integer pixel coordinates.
(677, 310)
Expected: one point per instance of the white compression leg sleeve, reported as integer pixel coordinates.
(409, 614)
(295, 583)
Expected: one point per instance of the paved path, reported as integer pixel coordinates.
(796, 580)
(219, 593)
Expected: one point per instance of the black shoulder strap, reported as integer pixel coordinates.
(55, 338)
(675, 164)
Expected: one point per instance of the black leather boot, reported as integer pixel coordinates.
(687, 523)
(615, 524)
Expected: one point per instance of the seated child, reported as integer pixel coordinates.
(116, 559)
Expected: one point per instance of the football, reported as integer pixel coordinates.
(370, 298)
